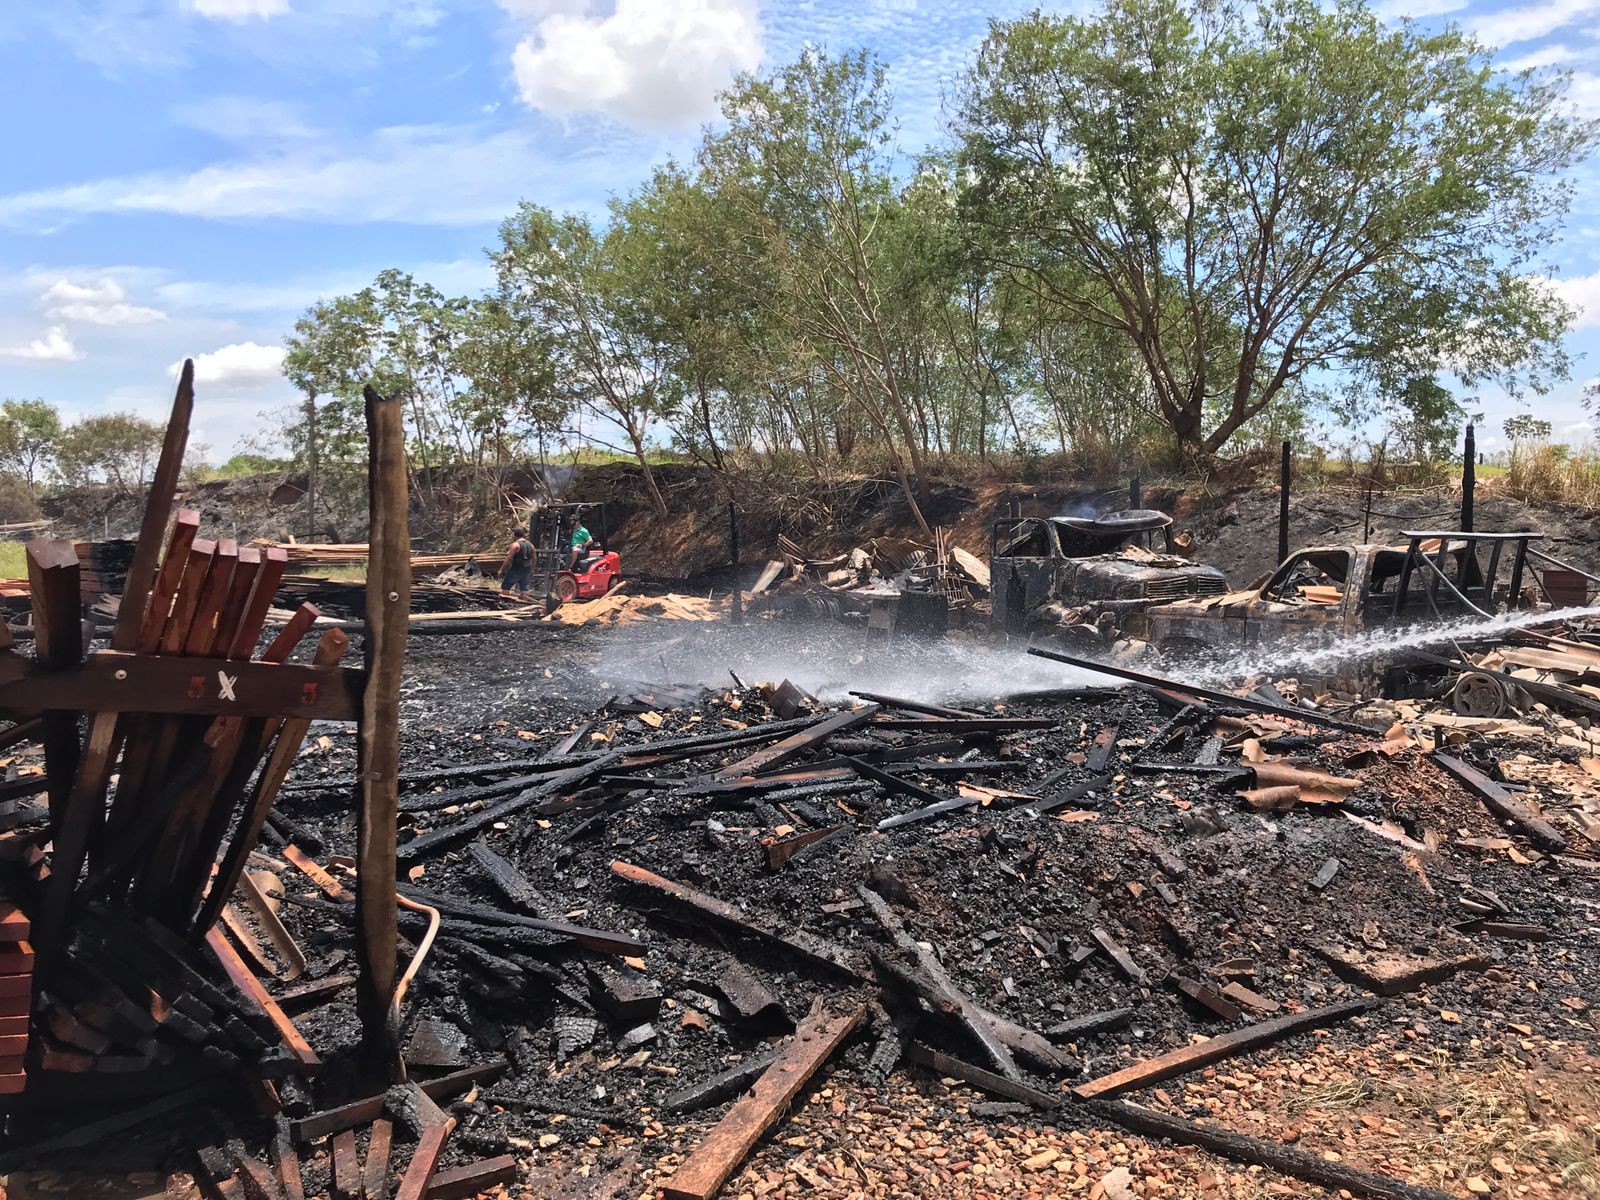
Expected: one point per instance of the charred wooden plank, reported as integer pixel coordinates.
(725, 1147)
(786, 850)
(58, 645)
(565, 781)
(1286, 1160)
(806, 945)
(468, 1180)
(507, 880)
(1115, 952)
(360, 1112)
(721, 1085)
(110, 682)
(250, 987)
(286, 1164)
(309, 995)
(894, 783)
(375, 1171)
(950, 725)
(1202, 1054)
(987, 1081)
(601, 941)
(932, 710)
(1503, 804)
(930, 812)
(1090, 1024)
(330, 652)
(1073, 794)
(796, 744)
(419, 1172)
(346, 1166)
(944, 992)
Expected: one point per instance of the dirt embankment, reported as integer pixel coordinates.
(1236, 531)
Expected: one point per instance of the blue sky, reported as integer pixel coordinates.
(183, 177)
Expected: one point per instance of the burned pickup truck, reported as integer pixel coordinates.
(1449, 581)
(1086, 579)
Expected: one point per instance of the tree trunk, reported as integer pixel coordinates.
(657, 500)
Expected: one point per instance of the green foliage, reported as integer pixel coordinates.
(1525, 427)
(242, 465)
(119, 449)
(1253, 196)
(29, 433)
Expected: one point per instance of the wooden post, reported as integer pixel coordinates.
(1283, 505)
(311, 466)
(1135, 493)
(1469, 477)
(388, 608)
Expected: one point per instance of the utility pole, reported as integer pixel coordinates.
(311, 466)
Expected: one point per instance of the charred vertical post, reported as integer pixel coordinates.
(733, 561)
(388, 612)
(1135, 493)
(1283, 505)
(311, 466)
(1469, 479)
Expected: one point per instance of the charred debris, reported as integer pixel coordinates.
(250, 933)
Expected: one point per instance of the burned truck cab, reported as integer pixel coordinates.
(1086, 578)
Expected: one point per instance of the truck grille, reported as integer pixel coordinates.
(1181, 587)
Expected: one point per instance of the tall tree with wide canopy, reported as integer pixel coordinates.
(1264, 194)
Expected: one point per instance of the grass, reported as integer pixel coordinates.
(13, 560)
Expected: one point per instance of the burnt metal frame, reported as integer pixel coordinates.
(1496, 541)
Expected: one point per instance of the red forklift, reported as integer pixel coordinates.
(598, 569)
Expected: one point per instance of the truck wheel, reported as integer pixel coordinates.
(1478, 694)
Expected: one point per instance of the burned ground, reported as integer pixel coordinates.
(1170, 866)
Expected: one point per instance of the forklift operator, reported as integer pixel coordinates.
(581, 541)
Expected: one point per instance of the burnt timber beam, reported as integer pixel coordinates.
(1286, 1160)
(798, 743)
(917, 706)
(248, 986)
(945, 993)
(1503, 804)
(359, 1112)
(807, 945)
(1202, 1054)
(441, 839)
(722, 1085)
(965, 725)
(987, 1081)
(469, 1180)
(110, 682)
(600, 941)
(725, 1147)
(1228, 699)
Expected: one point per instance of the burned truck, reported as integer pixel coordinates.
(1449, 581)
(1080, 580)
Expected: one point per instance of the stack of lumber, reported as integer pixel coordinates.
(339, 554)
(16, 996)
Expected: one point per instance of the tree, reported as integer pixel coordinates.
(118, 448)
(1525, 427)
(1426, 419)
(1260, 195)
(560, 274)
(29, 433)
(807, 160)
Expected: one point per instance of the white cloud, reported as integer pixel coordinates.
(411, 174)
(237, 10)
(242, 365)
(1393, 10)
(54, 346)
(101, 302)
(1509, 26)
(244, 118)
(651, 64)
(1583, 293)
(1546, 56)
